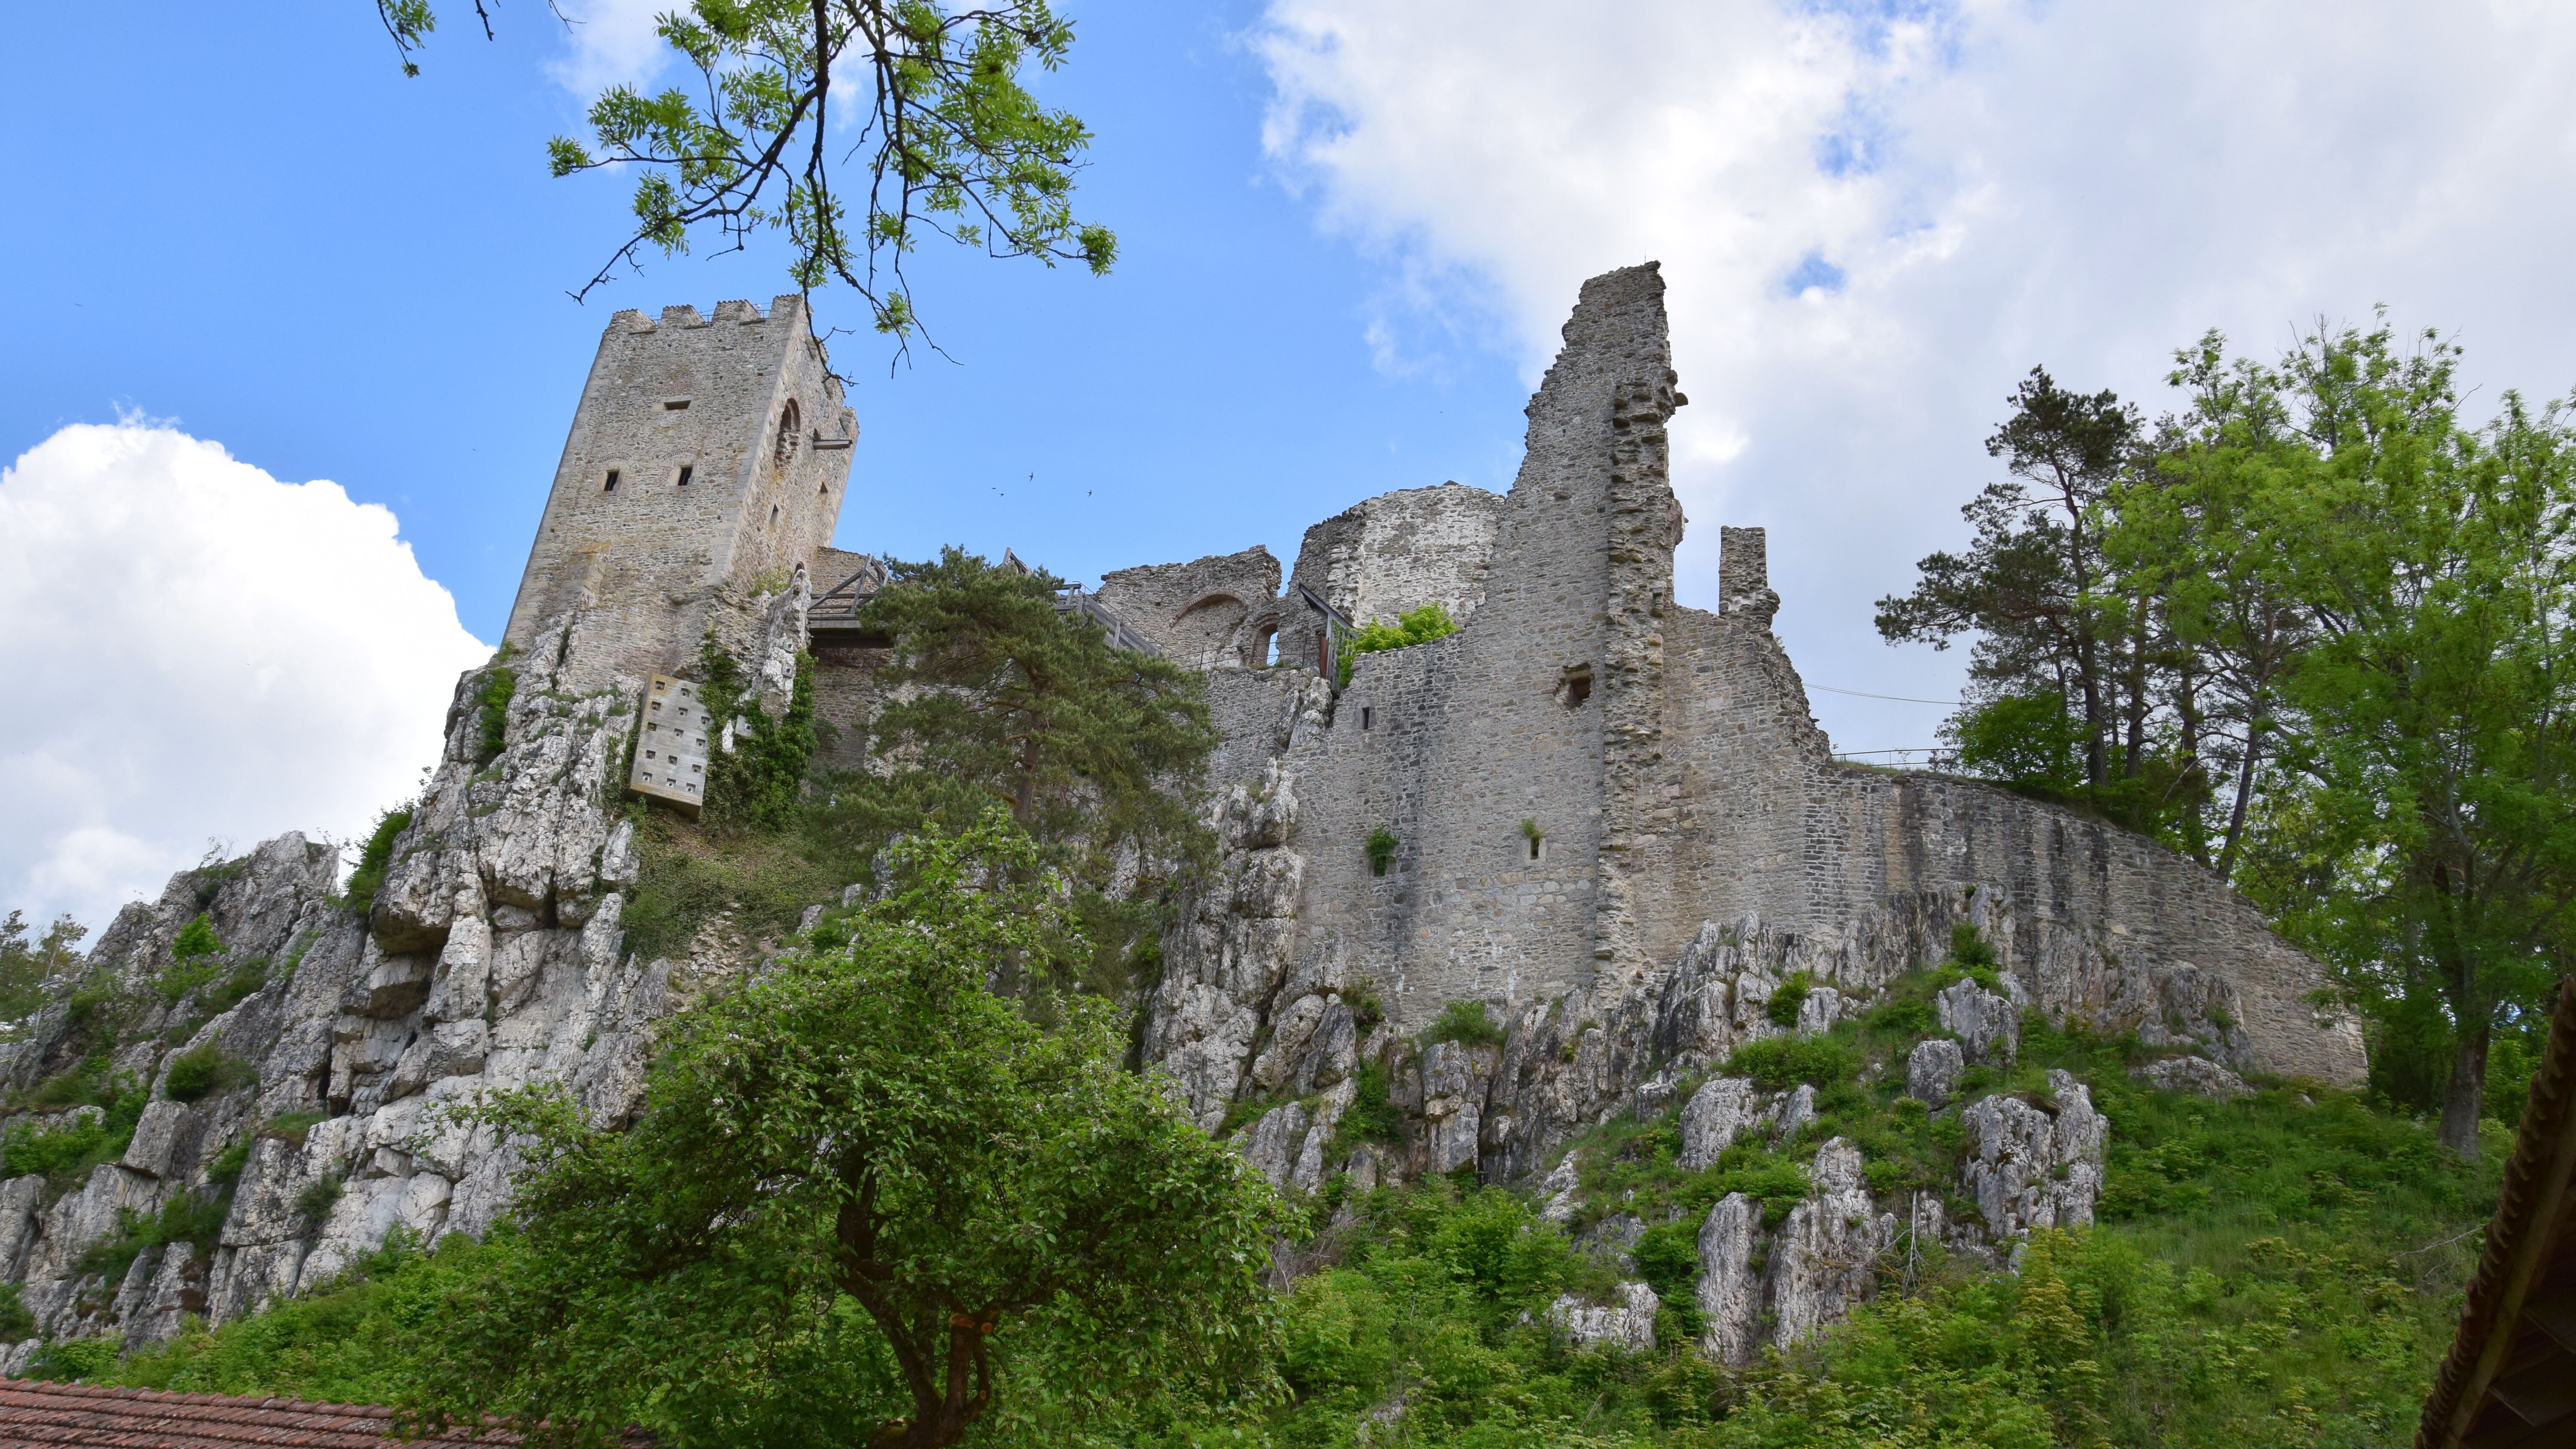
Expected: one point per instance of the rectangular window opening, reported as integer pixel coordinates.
(612, 482)
(1368, 717)
(685, 470)
(676, 405)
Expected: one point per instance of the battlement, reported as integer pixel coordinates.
(706, 461)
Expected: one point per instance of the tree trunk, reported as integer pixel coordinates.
(2464, 1100)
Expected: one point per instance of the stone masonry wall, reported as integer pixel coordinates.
(647, 563)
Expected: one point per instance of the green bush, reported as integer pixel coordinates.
(1468, 1023)
(192, 964)
(319, 1196)
(492, 701)
(1415, 626)
(76, 1360)
(1781, 1061)
(205, 1071)
(1788, 997)
(72, 1149)
(187, 1218)
(1372, 1115)
(1381, 850)
(17, 1324)
(196, 939)
(374, 859)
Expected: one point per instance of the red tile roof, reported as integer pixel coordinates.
(83, 1414)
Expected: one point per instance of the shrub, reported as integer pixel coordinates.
(187, 1218)
(72, 1148)
(1361, 998)
(1790, 995)
(75, 1360)
(317, 1199)
(1381, 850)
(1372, 1115)
(1416, 626)
(500, 682)
(196, 939)
(378, 854)
(1784, 1061)
(1468, 1023)
(1667, 1257)
(247, 977)
(16, 1324)
(1969, 948)
(205, 1071)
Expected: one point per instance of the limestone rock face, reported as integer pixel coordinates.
(1722, 1108)
(1627, 1325)
(1988, 1026)
(492, 958)
(1827, 1257)
(2034, 1165)
(1932, 1071)
(1729, 1291)
(2192, 1074)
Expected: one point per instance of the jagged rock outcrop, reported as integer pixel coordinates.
(2192, 1074)
(2034, 1163)
(1987, 1024)
(1627, 1325)
(1932, 1071)
(492, 959)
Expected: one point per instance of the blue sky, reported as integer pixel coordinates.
(249, 255)
(264, 232)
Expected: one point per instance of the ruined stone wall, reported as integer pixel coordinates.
(1391, 554)
(1195, 612)
(1699, 841)
(652, 562)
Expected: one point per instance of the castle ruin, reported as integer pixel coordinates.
(1607, 818)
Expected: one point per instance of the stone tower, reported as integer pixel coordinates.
(705, 467)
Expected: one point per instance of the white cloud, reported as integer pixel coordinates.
(611, 42)
(1873, 220)
(197, 650)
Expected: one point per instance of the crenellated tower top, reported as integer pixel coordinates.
(706, 460)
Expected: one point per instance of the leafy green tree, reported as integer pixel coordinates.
(2031, 584)
(926, 104)
(991, 696)
(2186, 530)
(2434, 773)
(26, 966)
(868, 1200)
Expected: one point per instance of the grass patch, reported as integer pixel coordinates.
(187, 1218)
(691, 873)
(375, 857)
(1468, 1023)
(204, 1072)
(70, 1150)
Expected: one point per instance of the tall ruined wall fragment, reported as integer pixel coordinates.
(1618, 826)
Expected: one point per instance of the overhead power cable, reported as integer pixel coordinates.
(1899, 698)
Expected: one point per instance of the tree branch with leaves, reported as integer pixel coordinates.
(856, 127)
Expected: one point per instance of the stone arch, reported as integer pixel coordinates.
(1201, 632)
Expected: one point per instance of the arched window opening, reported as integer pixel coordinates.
(1269, 648)
(789, 420)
